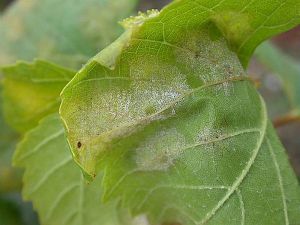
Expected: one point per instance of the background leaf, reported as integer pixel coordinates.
(57, 188)
(10, 214)
(52, 43)
(170, 115)
(28, 30)
(9, 177)
(14, 211)
(79, 29)
(31, 91)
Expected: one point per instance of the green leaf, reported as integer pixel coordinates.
(3, 5)
(179, 130)
(67, 32)
(14, 211)
(287, 70)
(55, 185)
(10, 214)
(31, 91)
(9, 177)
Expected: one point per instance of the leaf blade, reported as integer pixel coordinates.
(31, 91)
(170, 116)
(58, 190)
(9, 177)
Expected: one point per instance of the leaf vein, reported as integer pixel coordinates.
(280, 182)
(203, 143)
(50, 173)
(244, 173)
(59, 199)
(42, 143)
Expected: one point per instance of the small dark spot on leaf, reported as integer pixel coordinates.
(79, 144)
(229, 69)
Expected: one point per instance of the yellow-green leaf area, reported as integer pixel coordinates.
(32, 91)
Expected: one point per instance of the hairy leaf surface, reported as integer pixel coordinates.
(67, 32)
(169, 114)
(55, 185)
(31, 91)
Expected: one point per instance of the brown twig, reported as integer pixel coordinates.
(286, 119)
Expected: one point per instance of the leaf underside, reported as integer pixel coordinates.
(179, 130)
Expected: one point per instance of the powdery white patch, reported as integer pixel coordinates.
(225, 88)
(208, 133)
(140, 220)
(159, 152)
(210, 60)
